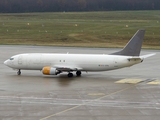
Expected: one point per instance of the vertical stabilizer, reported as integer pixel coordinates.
(133, 47)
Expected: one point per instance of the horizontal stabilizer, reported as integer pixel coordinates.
(146, 56)
(134, 59)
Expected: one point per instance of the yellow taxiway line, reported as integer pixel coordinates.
(96, 94)
(129, 81)
(86, 103)
(155, 82)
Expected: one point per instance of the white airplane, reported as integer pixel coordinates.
(54, 64)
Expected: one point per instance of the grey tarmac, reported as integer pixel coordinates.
(93, 96)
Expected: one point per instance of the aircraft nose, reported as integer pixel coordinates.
(5, 62)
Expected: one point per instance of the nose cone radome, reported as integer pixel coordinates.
(5, 62)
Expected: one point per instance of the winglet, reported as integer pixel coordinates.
(133, 47)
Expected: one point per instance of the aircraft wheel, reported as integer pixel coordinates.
(70, 74)
(19, 72)
(78, 73)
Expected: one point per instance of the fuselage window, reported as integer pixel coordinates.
(11, 58)
(62, 61)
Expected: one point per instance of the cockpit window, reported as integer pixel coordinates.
(11, 58)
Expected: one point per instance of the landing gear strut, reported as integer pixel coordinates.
(19, 72)
(78, 73)
(70, 74)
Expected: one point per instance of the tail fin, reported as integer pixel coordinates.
(133, 47)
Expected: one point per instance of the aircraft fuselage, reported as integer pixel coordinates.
(84, 62)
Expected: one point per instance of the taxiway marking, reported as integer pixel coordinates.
(129, 81)
(96, 94)
(155, 82)
(87, 103)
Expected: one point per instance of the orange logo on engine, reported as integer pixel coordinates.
(46, 70)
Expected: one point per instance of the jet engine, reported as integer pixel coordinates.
(50, 71)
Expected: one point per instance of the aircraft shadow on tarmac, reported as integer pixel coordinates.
(61, 80)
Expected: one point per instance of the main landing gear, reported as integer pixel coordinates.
(78, 73)
(19, 72)
(70, 74)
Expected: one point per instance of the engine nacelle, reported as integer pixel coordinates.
(49, 71)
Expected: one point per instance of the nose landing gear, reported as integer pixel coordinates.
(19, 72)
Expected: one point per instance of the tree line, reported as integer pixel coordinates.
(19, 6)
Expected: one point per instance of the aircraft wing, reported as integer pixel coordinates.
(66, 68)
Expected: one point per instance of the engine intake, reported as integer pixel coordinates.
(50, 71)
